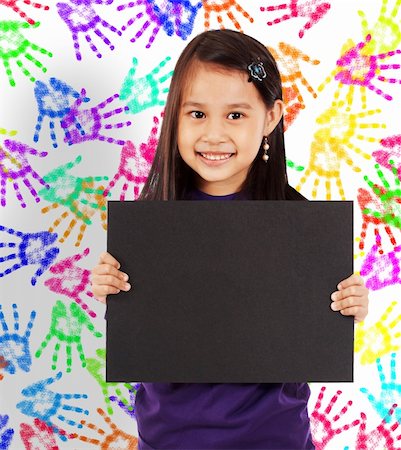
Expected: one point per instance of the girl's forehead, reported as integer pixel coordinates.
(207, 79)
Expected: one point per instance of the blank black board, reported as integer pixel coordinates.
(230, 292)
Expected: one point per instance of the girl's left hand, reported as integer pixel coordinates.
(351, 299)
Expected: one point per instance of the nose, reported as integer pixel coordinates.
(214, 131)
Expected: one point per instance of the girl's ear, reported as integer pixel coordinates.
(273, 116)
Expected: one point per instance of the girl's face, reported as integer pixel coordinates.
(221, 124)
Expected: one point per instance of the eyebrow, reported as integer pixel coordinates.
(231, 105)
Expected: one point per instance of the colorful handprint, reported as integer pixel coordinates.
(390, 391)
(81, 17)
(14, 345)
(173, 16)
(337, 128)
(32, 249)
(355, 68)
(66, 328)
(14, 46)
(81, 125)
(97, 368)
(12, 4)
(380, 270)
(39, 433)
(144, 92)
(390, 151)
(115, 439)
(15, 167)
(217, 7)
(322, 425)
(384, 436)
(47, 405)
(386, 34)
(288, 60)
(80, 195)
(313, 10)
(135, 164)
(379, 339)
(6, 434)
(54, 100)
(71, 280)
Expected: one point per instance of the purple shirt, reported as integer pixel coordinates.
(223, 416)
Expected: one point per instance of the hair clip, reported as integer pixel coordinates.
(256, 71)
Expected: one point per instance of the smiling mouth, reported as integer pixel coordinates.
(216, 156)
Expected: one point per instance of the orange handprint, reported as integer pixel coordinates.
(288, 60)
(223, 6)
(379, 339)
(116, 439)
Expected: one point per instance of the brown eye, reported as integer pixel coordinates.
(234, 115)
(197, 114)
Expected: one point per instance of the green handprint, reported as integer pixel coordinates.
(390, 197)
(13, 45)
(145, 92)
(66, 327)
(96, 367)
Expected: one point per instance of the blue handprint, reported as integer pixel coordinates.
(46, 404)
(14, 346)
(32, 248)
(7, 435)
(54, 100)
(390, 392)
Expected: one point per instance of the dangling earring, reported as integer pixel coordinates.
(266, 147)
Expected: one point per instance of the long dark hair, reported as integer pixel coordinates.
(170, 178)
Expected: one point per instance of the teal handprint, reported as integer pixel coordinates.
(97, 368)
(14, 46)
(66, 327)
(144, 92)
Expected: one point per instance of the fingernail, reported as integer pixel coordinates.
(333, 306)
(124, 276)
(127, 286)
(334, 296)
(339, 286)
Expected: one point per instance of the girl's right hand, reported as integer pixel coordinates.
(107, 279)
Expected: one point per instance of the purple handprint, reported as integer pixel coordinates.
(54, 101)
(87, 124)
(32, 249)
(80, 17)
(174, 16)
(14, 167)
(381, 270)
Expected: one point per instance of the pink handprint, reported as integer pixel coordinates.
(15, 167)
(384, 436)
(323, 426)
(135, 164)
(391, 152)
(13, 5)
(381, 270)
(314, 10)
(80, 17)
(87, 124)
(71, 280)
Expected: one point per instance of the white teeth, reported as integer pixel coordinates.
(216, 157)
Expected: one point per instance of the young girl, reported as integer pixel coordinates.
(222, 139)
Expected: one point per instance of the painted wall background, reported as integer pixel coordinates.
(82, 89)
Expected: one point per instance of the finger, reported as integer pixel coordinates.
(358, 312)
(352, 279)
(111, 281)
(347, 303)
(107, 269)
(102, 291)
(354, 291)
(106, 258)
